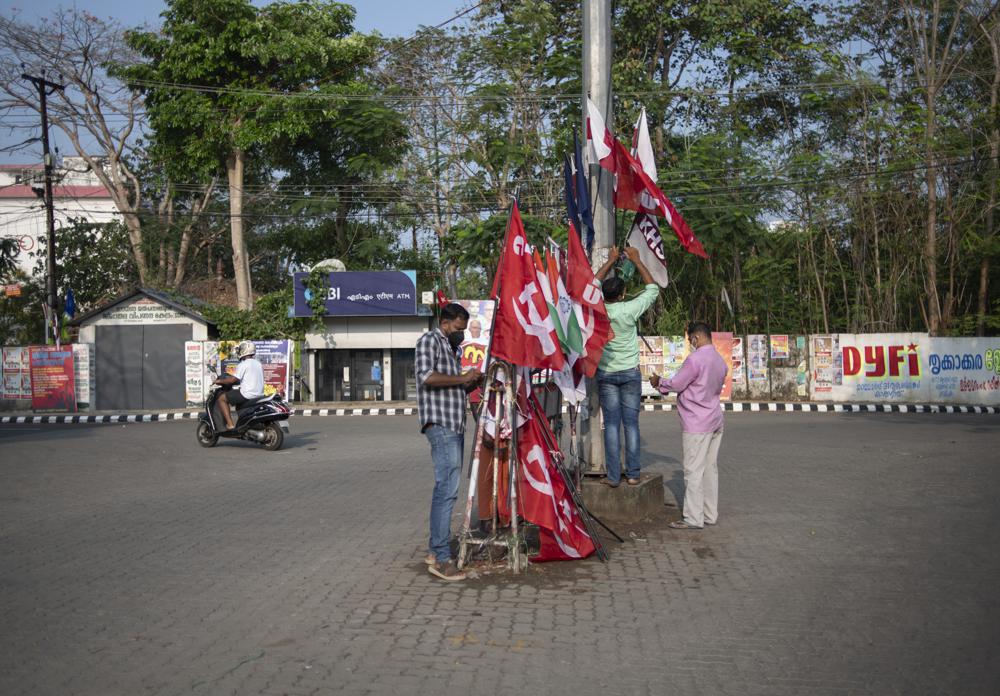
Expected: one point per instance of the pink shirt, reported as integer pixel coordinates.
(698, 384)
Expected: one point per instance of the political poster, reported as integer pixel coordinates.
(650, 361)
(83, 373)
(963, 371)
(738, 373)
(827, 364)
(275, 358)
(757, 358)
(194, 373)
(53, 386)
(477, 333)
(723, 342)
(779, 347)
(16, 373)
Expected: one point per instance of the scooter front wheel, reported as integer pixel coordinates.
(206, 436)
(273, 436)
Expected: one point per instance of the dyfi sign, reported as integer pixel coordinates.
(362, 294)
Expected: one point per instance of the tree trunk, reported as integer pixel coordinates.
(993, 36)
(134, 228)
(241, 262)
(930, 246)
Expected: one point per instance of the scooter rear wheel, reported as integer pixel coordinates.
(207, 436)
(274, 436)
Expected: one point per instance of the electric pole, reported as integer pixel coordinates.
(597, 51)
(45, 88)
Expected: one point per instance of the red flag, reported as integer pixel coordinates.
(585, 290)
(632, 182)
(442, 299)
(544, 499)
(524, 333)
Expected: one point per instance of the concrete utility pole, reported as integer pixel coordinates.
(597, 51)
(45, 88)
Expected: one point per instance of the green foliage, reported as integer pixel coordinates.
(21, 320)
(267, 320)
(95, 260)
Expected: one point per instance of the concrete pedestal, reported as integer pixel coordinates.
(625, 503)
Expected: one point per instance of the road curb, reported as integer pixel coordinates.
(738, 407)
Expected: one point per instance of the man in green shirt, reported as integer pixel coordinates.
(619, 381)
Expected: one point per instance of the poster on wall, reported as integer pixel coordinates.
(52, 380)
(16, 373)
(757, 358)
(82, 373)
(194, 373)
(779, 347)
(738, 375)
(723, 342)
(650, 361)
(675, 351)
(477, 333)
(964, 370)
(827, 364)
(275, 357)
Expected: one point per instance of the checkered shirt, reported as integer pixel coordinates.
(444, 406)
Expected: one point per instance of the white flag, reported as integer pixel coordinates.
(645, 232)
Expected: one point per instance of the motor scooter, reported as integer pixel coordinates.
(262, 420)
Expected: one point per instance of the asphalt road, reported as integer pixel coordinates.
(855, 554)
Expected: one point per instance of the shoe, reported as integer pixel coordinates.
(709, 524)
(447, 571)
(681, 524)
(607, 482)
(430, 559)
(633, 481)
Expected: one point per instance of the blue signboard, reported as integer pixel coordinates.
(362, 294)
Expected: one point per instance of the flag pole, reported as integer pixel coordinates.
(464, 535)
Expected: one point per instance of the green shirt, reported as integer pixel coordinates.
(622, 351)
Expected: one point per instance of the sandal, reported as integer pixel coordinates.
(681, 524)
(633, 482)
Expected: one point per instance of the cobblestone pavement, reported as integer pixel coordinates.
(855, 554)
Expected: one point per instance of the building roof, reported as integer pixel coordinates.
(187, 308)
(58, 192)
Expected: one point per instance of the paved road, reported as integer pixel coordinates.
(856, 554)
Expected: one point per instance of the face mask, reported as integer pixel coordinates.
(455, 338)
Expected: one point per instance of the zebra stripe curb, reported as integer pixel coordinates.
(738, 407)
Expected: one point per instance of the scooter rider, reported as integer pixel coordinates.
(247, 383)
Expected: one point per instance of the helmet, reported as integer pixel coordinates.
(245, 348)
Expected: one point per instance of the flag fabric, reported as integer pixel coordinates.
(585, 291)
(645, 232)
(524, 332)
(572, 211)
(599, 137)
(569, 316)
(544, 499)
(70, 306)
(632, 182)
(442, 299)
(583, 196)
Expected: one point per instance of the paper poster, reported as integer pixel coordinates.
(738, 375)
(827, 366)
(723, 342)
(779, 347)
(82, 373)
(757, 359)
(275, 357)
(477, 333)
(52, 380)
(194, 373)
(650, 361)
(16, 373)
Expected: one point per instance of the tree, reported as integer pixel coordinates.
(224, 79)
(98, 114)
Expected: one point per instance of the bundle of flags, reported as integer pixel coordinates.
(550, 314)
(635, 189)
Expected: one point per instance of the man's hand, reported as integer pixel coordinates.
(632, 254)
(654, 381)
(613, 254)
(473, 376)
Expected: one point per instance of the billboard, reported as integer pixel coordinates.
(361, 294)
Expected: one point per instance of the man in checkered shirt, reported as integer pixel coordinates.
(441, 391)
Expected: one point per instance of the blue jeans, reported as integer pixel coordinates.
(447, 447)
(620, 394)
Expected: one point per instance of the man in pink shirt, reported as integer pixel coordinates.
(698, 384)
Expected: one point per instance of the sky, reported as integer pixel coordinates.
(388, 17)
